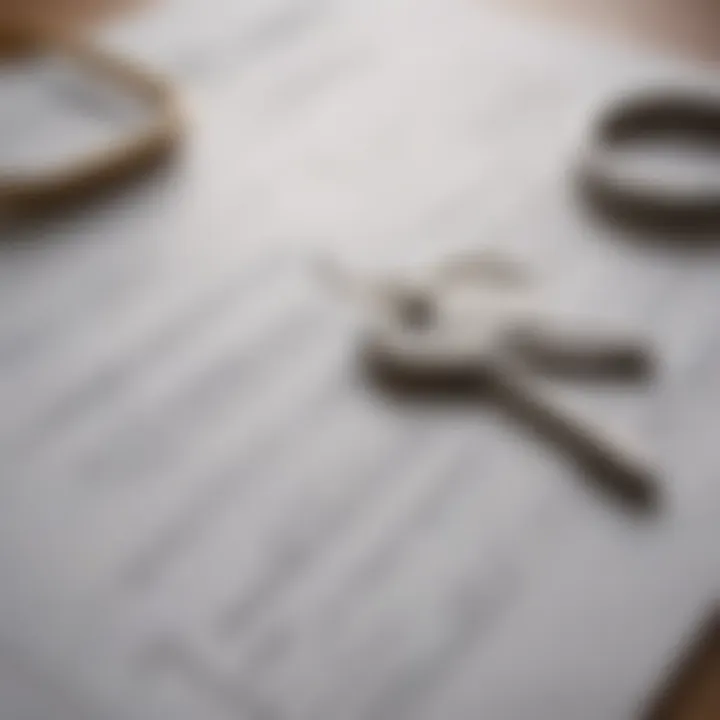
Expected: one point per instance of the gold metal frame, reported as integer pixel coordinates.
(137, 153)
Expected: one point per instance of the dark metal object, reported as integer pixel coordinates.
(425, 341)
(660, 117)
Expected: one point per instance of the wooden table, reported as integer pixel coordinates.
(689, 27)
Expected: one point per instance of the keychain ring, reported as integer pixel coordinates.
(91, 172)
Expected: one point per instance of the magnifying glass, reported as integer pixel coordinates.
(75, 120)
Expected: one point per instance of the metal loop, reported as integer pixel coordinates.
(658, 116)
(93, 171)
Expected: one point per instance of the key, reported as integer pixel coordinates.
(474, 326)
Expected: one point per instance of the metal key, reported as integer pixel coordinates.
(475, 324)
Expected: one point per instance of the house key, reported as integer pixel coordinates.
(473, 324)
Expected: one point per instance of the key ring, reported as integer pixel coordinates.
(94, 171)
(658, 116)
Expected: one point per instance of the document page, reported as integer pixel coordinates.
(206, 511)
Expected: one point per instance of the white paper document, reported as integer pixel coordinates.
(204, 511)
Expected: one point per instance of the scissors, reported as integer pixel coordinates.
(21, 193)
(656, 121)
(475, 323)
